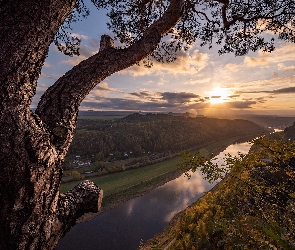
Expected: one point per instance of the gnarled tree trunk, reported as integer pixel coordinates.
(33, 213)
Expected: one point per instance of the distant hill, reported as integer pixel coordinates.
(140, 134)
(273, 121)
(269, 121)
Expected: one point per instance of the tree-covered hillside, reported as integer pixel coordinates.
(290, 132)
(138, 135)
(252, 208)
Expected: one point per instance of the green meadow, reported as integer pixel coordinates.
(117, 182)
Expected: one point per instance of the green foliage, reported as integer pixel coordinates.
(235, 26)
(76, 175)
(153, 133)
(64, 40)
(252, 207)
(207, 166)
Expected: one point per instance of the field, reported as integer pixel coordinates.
(100, 117)
(123, 180)
(117, 182)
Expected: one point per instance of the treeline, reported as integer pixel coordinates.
(253, 208)
(138, 135)
(290, 132)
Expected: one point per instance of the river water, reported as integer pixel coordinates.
(139, 219)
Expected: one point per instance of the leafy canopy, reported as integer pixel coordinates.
(235, 26)
(252, 208)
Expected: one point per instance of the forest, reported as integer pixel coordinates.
(251, 208)
(149, 136)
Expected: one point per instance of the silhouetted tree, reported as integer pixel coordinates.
(33, 214)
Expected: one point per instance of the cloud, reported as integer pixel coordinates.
(145, 101)
(260, 99)
(287, 90)
(166, 102)
(286, 52)
(275, 74)
(261, 85)
(233, 96)
(47, 65)
(51, 76)
(232, 67)
(41, 88)
(180, 97)
(73, 60)
(236, 105)
(86, 51)
(186, 63)
(283, 53)
(254, 62)
(281, 66)
(92, 42)
(144, 94)
(126, 104)
(88, 47)
(103, 86)
(168, 97)
(101, 90)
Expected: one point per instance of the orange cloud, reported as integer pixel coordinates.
(185, 64)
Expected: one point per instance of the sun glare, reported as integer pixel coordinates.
(218, 95)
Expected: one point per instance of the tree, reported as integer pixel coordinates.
(251, 208)
(76, 175)
(33, 213)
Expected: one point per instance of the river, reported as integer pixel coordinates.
(139, 219)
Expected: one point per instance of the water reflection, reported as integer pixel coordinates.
(140, 218)
(233, 150)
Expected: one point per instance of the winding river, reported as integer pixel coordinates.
(139, 219)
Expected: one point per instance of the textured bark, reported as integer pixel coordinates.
(33, 214)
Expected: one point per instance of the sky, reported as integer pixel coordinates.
(199, 81)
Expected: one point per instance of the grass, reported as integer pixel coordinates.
(117, 182)
(80, 131)
(100, 117)
(120, 181)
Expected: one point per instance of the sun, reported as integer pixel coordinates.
(218, 95)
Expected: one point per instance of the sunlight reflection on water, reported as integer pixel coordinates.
(124, 226)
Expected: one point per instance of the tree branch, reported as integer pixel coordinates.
(84, 198)
(59, 105)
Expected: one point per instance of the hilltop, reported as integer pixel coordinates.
(138, 140)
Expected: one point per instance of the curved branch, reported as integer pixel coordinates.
(59, 105)
(235, 18)
(84, 198)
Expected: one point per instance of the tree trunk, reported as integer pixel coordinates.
(33, 213)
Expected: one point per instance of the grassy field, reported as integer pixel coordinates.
(117, 182)
(100, 117)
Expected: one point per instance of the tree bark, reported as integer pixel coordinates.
(33, 214)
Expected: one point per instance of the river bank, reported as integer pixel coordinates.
(167, 237)
(246, 211)
(114, 198)
(137, 220)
